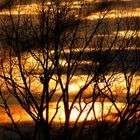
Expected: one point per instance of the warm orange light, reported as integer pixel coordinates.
(60, 117)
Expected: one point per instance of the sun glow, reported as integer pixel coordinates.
(79, 112)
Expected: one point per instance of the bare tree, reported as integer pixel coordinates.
(47, 48)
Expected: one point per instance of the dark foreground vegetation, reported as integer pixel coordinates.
(45, 48)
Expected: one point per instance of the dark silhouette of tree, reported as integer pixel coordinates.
(48, 48)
